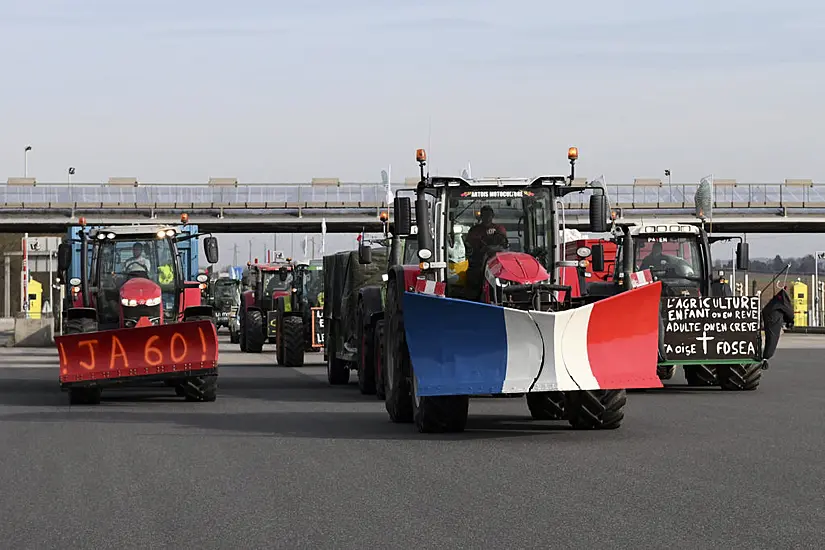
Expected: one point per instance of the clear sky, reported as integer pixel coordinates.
(182, 90)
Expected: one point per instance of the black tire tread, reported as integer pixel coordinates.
(254, 331)
(82, 325)
(665, 372)
(378, 359)
(200, 388)
(700, 375)
(366, 367)
(595, 409)
(84, 396)
(292, 339)
(546, 405)
(739, 377)
(442, 414)
(398, 398)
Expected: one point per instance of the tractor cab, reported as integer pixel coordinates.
(136, 276)
(496, 240)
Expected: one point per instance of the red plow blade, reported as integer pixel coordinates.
(141, 351)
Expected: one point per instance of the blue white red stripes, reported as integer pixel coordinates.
(465, 348)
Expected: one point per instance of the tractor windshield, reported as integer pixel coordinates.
(148, 258)
(273, 283)
(313, 284)
(228, 292)
(513, 219)
(668, 256)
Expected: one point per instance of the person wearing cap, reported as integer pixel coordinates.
(138, 262)
(486, 233)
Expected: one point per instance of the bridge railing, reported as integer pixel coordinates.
(374, 195)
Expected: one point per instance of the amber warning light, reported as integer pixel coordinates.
(573, 153)
(420, 155)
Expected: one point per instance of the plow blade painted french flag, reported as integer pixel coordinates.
(468, 348)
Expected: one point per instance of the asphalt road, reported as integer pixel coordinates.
(282, 460)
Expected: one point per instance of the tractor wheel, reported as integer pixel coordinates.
(254, 331)
(201, 388)
(546, 405)
(291, 333)
(366, 370)
(739, 377)
(80, 326)
(378, 359)
(337, 370)
(398, 399)
(439, 414)
(84, 396)
(195, 318)
(665, 372)
(700, 375)
(595, 409)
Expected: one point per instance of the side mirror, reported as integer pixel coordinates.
(210, 246)
(64, 257)
(598, 213)
(597, 257)
(742, 259)
(402, 211)
(364, 254)
(283, 273)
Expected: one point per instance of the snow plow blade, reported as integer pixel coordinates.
(173, 350)
(468, 348)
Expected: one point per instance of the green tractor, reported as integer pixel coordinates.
(226, 300)
(299, 320)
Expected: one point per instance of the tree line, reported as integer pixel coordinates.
(799, 266)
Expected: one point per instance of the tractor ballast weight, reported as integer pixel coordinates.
(517, 323)
(136, 319)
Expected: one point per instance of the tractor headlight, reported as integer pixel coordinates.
(153, 301)
(128, 303)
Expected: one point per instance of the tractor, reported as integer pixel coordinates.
(515, 322)
(715, 336)
(296, 325)
(226, 299)
(134, 319)
(263, 285)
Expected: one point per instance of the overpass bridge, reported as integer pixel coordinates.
(226, 206)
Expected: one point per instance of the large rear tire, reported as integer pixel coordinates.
(398, 399)
(665, 372)
(439, 414)
(254, 331)
(200, 388)
(546, 405)
(739, 377)
(595, 409)
(292, 339)
(378, 359)
(700, 375)
(366, 369)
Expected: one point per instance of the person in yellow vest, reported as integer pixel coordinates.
(166, 275)
(321, 299)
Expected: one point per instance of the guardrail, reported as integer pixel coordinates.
(250, 196)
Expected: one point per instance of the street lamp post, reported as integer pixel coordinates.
(669, 186)
(26, 160)
(71, 172)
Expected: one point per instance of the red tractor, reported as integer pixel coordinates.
(263, 285)
(516, 321)
(134, 319)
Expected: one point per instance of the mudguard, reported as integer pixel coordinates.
(170, 349)
(459, 347)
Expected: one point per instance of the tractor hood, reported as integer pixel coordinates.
(516, 267)
(140, 290)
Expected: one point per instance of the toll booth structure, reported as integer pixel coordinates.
(799, 300)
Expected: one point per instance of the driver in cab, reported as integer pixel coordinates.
(138, 262)
(656, 259)
(486, 233)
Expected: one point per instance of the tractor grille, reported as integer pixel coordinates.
(131, 315)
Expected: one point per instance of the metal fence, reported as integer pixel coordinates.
(374, 195)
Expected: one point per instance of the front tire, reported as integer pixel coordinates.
(254, 331)
(366, 369)
(595, 409)
(441, 413)
(665, 372)
(398, 398)
(84, 396)
(82, 325)
(546, 405)
(337, 370)
(739, 377)
(700, 375)
(200, 388)
(378, 359)
(291, 334)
